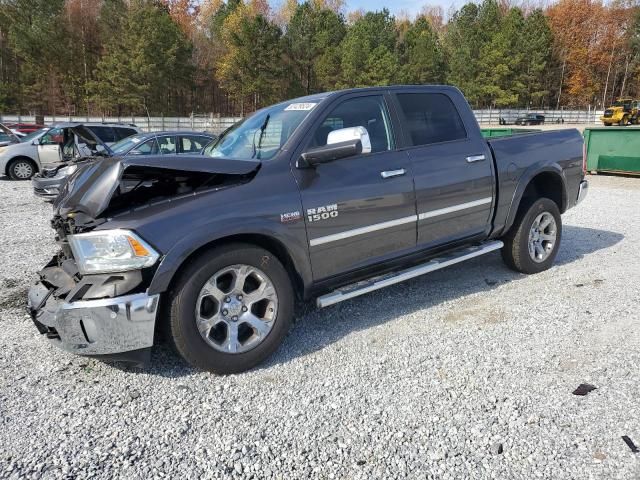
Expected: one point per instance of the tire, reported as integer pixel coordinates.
(607, 124)
(516, 251)
(623, 122)
(213, 349)
(22, 169)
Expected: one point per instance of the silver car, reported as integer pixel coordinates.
(51, 145)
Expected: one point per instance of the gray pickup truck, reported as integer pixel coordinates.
(329, 196)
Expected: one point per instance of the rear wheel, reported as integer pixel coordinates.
(532, 243)
(231, 309)
(21, 169)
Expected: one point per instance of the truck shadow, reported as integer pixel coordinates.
(317, 329)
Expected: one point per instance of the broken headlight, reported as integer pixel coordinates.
(106, 251)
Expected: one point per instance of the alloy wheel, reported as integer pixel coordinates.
(236, 309)
(542, 237)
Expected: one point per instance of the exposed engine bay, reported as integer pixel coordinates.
(113, 186)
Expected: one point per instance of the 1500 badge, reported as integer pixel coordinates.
(322, 213)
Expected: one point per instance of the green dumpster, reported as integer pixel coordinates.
(613, 149)
(505, 132)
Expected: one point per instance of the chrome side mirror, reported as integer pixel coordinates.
(350, 134)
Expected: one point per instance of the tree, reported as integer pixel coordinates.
(251, 68)
(500, 55)
(35, 37)
(590, 41)
(536, 45)
(421, 55)
(311, 41)
(80, 52)
(370, 44)
(462, 44)
(146, 64)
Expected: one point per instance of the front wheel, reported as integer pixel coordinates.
(230, 309)
(532, 243)
(21, 169)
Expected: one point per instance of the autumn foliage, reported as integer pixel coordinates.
(229, 57)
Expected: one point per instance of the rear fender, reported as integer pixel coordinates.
(526, 178)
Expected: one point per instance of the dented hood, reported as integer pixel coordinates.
(90, 189)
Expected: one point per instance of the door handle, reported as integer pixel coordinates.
(475, 158)
(393, 173)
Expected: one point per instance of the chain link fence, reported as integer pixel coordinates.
(198, 123)
(216, 125)
(509, 116)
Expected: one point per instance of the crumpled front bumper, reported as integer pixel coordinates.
(108, 326)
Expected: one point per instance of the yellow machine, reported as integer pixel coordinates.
(623, 112)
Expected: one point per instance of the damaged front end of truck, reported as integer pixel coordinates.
(91, 298)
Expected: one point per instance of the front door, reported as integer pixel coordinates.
(453, 170)
(361, 209)
(49, 147)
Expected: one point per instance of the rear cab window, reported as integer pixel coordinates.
(429, 118)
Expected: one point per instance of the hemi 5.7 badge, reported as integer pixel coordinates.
(322, 213)
(290, 217)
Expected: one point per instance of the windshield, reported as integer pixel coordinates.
(624, 103)
(126, 144)
(262, 135)
(34, 135)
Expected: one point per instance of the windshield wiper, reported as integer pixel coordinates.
(262, 129)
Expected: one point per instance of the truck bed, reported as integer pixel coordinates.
(519, 158)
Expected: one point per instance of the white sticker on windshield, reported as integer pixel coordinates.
(300, 106)
(136, 140)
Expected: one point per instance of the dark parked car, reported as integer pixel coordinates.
(530, 119)
(46, 184)
(329, 196)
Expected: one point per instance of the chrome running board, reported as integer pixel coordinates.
(376, 283)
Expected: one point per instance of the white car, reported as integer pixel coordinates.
(51, 145)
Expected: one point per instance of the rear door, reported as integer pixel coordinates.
(358, 210)
(452, 167)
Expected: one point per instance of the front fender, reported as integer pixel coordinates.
(292, 238)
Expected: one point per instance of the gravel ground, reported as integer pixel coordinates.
(465, 373)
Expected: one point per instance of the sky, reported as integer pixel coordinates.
(396, 6)
(411, 7)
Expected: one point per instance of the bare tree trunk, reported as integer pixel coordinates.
(564, 63)
(84, 58)
(606, 85)
(624, 77)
